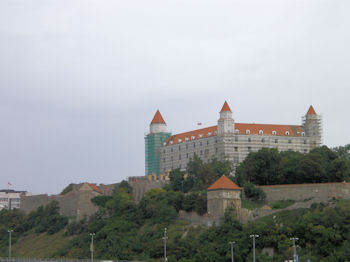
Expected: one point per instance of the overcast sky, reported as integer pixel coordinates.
(80, 80)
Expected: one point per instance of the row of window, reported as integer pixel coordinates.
(236, 139)
(247, 132)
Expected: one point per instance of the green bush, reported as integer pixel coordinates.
(253, 192)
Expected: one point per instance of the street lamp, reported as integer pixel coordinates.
(92, 246)
(294, 248)
(165, 238)
(231, 243)
(254, 236)
(10, 231)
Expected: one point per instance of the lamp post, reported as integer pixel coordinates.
(231, 243)
(254, 236)
(294, 248)
(10, 231)
(165, 238)
(92, 246)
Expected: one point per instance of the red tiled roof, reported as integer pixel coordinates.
(224, 183)
(311, 111)
(225, 107)
(95, 188)
(158, 118)
(192, 135)
(254, 129)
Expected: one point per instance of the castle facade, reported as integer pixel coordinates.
(227, 140)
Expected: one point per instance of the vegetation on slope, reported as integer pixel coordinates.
(125, 230)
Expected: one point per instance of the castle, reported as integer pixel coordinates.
(227, 140)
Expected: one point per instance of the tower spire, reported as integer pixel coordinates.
(158, 119)
(225, 107)
(311, 111)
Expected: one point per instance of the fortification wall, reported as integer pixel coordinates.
(320, 192)
(141, 186)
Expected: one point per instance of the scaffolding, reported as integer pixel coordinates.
(153, 142)
(312, 125)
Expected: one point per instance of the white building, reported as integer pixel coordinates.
(227, 140)
(11, 199)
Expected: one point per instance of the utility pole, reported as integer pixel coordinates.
(165, 238)
(294, 248)
(92, 246)
(254, 236)
(10, 231)
(231, 243)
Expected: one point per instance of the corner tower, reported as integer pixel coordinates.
(153, 141)
(226, 124)
(313, 127)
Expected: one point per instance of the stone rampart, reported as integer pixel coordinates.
(320, 192)
(141, 186)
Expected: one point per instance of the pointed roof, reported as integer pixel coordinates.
(224, 183)
(311, 111)
(158, 119)
(225, 107)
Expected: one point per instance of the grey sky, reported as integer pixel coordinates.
(81, 80)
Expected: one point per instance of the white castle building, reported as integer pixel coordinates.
(227, 140)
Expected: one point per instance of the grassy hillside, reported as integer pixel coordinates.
(40, 245)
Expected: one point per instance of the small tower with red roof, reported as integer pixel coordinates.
(223, 193)
(312, 127)
(153, 142)
(226, 124)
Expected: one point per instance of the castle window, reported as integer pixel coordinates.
(164, 159)
(262, 140)
(206, 151)
(289, 141)
(236, 138)
(276, 141)
(200, 143)
(237, 131)
(171, 158)
(261, 132)
(194, 145)
(236, 159)
(249, 148)
(302, 133)
(201, 152)
(171, 150)
(274, 132)
(216, 150)
(287, 133)
(186, 146)
(216, 140)
(247, 132)
(207, 142)
(179, 157)
(236, 148)
(249, 139)
(305, 141)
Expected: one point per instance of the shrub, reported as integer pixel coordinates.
(253, 192)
